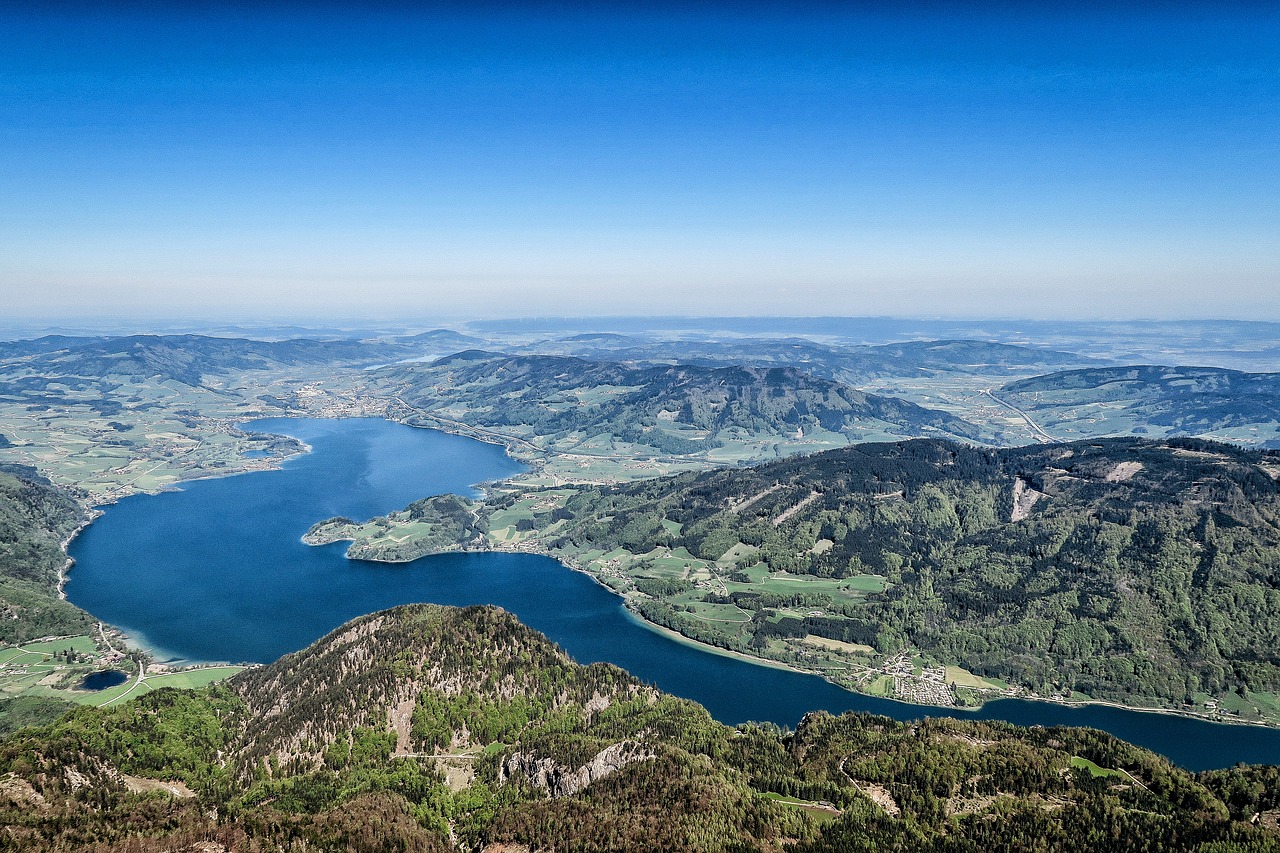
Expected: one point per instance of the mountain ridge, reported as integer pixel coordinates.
(672, 408)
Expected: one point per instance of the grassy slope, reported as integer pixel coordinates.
(1154, 400)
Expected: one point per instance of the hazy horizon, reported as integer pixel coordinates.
(905, 160)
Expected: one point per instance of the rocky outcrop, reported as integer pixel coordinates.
(1024, 498)
(561, 781)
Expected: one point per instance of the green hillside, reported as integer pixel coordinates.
(428, 729)
(1154, 400)
(1119, 569)
(35, 518)
(572, 404)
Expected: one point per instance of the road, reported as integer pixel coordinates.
(1036, 429)
(462, 425)
(103, 634)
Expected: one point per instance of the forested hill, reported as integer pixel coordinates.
(1142, 571)
(35, 518)
(189, 358)
(46, 343)
(1153, 399)
(673, 408)
(440, 340)
(335, 748)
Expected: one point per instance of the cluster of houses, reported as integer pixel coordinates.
(928, 688)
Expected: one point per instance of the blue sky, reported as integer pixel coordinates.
(909, 159)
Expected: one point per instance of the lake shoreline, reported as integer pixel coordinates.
(759, 661)
(197, 552)
(514, 447)
(676, 636)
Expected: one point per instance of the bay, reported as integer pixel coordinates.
(217, 571)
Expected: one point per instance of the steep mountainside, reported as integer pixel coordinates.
(1156, 400)
(672, 408)
(35, 518)
(426, 728)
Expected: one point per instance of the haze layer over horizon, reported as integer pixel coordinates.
(891, 159)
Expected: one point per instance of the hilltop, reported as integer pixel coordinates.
(427, 728)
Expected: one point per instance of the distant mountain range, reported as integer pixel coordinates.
(426, 728)
(1232, 343)
(685, 396)
(189, 358)
(48, 343)
(849, 364)
(59, 371)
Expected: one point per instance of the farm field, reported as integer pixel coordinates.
(54, 669)
(157, 434)
(131, 689)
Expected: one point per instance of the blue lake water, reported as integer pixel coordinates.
(103, 679)
(217, 572)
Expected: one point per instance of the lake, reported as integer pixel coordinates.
(103, 679)
(217, 572)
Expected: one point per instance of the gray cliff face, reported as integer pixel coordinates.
(561, 781)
